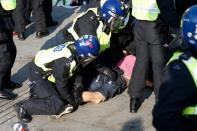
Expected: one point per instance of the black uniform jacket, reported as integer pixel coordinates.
(177, 91)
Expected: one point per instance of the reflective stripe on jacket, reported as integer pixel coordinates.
(145, 10)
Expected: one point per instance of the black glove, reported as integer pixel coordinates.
(78, 90)
(70, 99)
(108, 72)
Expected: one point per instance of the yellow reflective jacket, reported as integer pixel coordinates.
(44, 57)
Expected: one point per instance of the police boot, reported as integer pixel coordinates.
(135, 104)
(22, 113)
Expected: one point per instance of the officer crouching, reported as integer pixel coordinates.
(49, 74)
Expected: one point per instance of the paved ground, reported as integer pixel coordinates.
(112, 115)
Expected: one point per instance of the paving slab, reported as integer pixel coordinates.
(112, 115)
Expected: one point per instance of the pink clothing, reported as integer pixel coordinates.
(127, 64)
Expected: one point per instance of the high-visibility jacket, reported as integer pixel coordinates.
(8, 4)
(145, 10)
(103, 38)
(44, 57)
(191, 64)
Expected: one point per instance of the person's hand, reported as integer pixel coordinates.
(124, 52)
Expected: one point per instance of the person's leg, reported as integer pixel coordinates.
(18, 16)
(44, 97)
(39, 18)
(11, 49)
(5, 55)
(19, 19)
(5, 61)
(47, 102)
(28, 12)
(158, 63)
(138, 77)
(157, 54)
(137, 82)
(47, 6)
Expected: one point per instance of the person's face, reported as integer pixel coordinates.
(115, 24)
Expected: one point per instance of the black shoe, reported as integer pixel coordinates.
(41, 34)
(135, 104)
(7, 95)
(21, 35)
(52, 23)
(22, 113)
(13, 85)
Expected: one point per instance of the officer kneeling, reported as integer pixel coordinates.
(177, 104)
(49, 74)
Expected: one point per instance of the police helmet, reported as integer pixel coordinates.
(87, 46)
(115, 13)
(189, 28)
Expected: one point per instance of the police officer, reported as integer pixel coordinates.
(111, 22)
(112, 17)
(7, 48)
(176, 107)
(39, 18)
(149, 48)
(49, 76)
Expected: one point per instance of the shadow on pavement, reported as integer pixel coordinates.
(22, 74)
(133, 125)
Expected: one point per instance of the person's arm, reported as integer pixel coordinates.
(94, 97)
(61, 74)
(177, 92)
(168, 13)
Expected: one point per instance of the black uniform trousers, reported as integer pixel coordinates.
(28, 10)
(44, 99)
(7, 50)
(148, 49)
(47, 6)
(38, 15)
